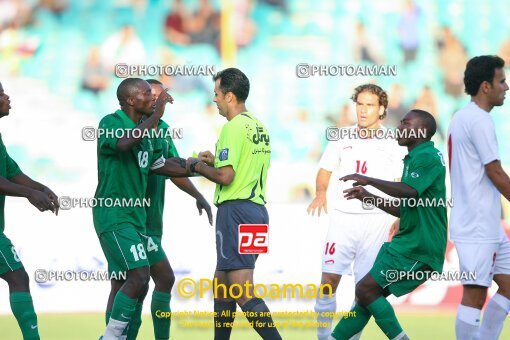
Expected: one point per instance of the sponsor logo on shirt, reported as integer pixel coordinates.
(415, 175)
(224, 154)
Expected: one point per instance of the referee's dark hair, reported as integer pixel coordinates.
(127, 88)
(480, 69)
(428, 122)
(235, 81)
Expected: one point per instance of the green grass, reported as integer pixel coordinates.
(89, 326)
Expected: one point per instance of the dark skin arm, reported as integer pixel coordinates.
(187, 186)
(128, 141)
(26, 181)
(394, 189)
(363, 195)
(172, 168)
(224, 175)
(37, 198)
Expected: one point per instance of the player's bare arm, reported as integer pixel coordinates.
(174, 167)
(37, 198)
(321, 188)
(361, 194)
(129, 140)
(187, 186)
(499, 178)
(24, 180)
(224, 175)
(207, 157)
(394, 189)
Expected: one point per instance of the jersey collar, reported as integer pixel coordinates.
(128, 123)
(422, 146)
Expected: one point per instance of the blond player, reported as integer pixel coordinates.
(357, 230)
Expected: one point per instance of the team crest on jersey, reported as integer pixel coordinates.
(224, 154)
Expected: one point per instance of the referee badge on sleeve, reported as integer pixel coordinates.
(224, 154)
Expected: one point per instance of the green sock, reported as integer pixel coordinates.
(107, 316)
(135, 323)
(385, 317)
(123, 307)
(23, 309)
(160, 304)
(353, 324)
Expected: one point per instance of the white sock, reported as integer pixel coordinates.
(114, 329)
(494, 317)
(326, 305)
(401, 336)
(467, 322)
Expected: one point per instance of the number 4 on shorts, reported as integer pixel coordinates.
(151, 245)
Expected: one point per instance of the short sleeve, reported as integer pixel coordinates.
(158, 160)
(172, 150)
(423, 171)
(229, 146)
(483, 135)
(330, 159)
(12, 167)
(107, 136)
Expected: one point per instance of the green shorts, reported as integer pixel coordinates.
(124, 250)
(9, 260)
(398, 274)
(155, 252)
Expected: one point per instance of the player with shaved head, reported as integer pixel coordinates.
(125, 159)
(418, 248)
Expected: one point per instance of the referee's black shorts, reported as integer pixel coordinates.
(228, 218)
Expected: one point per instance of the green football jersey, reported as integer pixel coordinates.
(123, 176)
(156, 186)
(8, 169)
(243, 144)
(423, 222)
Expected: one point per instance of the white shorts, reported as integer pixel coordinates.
(483, 261)
(353, 242)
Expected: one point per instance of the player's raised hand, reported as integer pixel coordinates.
(358, 179)
(54, 199)
(40, 200)
(161, 101)
(319, 202)
(206, 157)
(356, 193)
(202, 204)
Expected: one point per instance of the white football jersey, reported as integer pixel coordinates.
(380, 158)
(472, 144)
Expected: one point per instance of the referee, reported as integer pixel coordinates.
(239, 170)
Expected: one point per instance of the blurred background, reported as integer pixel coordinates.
(57, 60)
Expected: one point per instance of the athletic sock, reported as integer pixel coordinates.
(22, 307)
(257, 314)
(494, 317)
(467, 322)
(224, 318)
(160, 305)
(385, 317)
(135, 323)
(325, 307)
(122, 312)
(353, 324)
